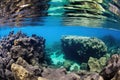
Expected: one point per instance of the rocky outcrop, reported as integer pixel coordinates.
(14, 46)
(81, 48)
(96, 65)
(20, 73)
(29, 49)
(117, 76)
(111, 69)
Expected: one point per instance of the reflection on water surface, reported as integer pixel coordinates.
(92, 13)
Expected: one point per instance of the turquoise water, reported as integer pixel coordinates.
(54, 33)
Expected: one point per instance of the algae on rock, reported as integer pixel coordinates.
(80, 48)
(20, 73)
(96, 65)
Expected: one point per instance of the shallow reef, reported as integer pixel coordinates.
(23, 57)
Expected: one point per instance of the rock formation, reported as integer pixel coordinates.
(81, 48)
(14, 46)
(96, 65)
(112, 67)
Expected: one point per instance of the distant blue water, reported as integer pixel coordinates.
(53, 34)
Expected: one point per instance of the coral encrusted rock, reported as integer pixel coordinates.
(96, 65)
(117, 76)
(112, 68)
(20, 73)
(31, 49)
(81, 48)
(19, 48)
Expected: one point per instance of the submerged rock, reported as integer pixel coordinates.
(117, 76)
(96, 65)
(20, 73)
(89, 76)
(14, 46)
(111, 68)
(53, 74)
(81, 48)
(31, 49)
(59, 74)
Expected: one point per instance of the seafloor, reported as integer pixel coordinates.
(25, 57)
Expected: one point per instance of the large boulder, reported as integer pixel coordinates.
(81, 48)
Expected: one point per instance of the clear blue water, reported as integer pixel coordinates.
(56, 31)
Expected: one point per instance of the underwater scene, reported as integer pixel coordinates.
(59, 39)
